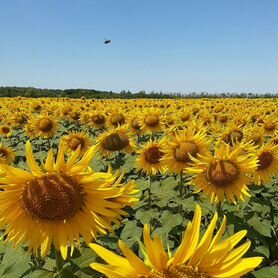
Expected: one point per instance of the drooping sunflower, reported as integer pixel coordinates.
(60, 202)
(43, 126)
(181, 146)
(268, 163)
(115, 140)
(75, 139)
(7, 155)
(209, 257)
(224, 175)
(150, 158)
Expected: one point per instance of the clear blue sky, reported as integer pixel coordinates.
(173, 45)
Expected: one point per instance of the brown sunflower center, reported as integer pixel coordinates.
(98, 119)
(21, 119)
(3, 153)
(265, 160)
(269, 126)
(185, 149)
(135, 124)
(52, 197)
(153, 155)
(151, 120)
(115, 141)
(5, 129)
(75, 142)
(177, 272)
(234, 136)
(117, 119)
(45, 125)
(75, 115)
(222, 173)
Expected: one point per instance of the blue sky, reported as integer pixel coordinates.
(173, 45)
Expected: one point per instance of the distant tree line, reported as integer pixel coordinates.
(90, 93)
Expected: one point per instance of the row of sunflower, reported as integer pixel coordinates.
(61, 204)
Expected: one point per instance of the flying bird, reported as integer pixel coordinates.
(107, 41)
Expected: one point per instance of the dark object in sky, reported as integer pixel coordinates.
(107, 41)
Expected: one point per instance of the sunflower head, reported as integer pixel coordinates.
(150, 157)
(114, 141)
(206, 257)
(77, 139)
(7, 155)
(60, 202)
(226, 174)
(43, 126)
(268, 163)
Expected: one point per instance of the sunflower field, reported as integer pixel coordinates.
(180, 188)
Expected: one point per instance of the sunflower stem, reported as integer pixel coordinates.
(59, 261)
(150, 192)
(219, 209)
(181, 184)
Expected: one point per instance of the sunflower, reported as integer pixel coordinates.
(181, 146)
(268, 163)
(97, 120)
(6, 130)
(116, 119)
(43, 126)
(270, 126)
(151, 120)
(61, 202)
(226, 174)
(233, 135)
(134, 125)
(75, 139)
(7, 155)
(150, 158)
(115, 140)
(206, 258)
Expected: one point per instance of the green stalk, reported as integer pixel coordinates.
(150, 192)
(59, 261)
(181, 184)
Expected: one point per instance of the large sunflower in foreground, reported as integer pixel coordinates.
(224, 175)
(60, 202)
(206, 258)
